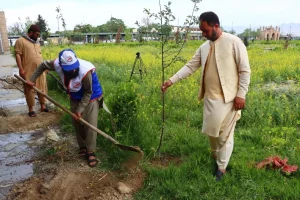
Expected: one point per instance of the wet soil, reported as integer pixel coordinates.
(34, 166)
(65, 176)
(20, 123)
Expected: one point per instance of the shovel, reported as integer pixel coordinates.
(121, 146)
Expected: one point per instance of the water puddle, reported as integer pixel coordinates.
(12, 100)
(13, 103)
(17, 151)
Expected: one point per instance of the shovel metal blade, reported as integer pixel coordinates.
(129, 148)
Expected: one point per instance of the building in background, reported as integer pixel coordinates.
(269, 33)
(4, 46)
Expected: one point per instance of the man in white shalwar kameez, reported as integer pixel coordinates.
(224, 85)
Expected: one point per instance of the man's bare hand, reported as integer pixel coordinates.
(77, 116)
(30, 83)
(239, 103)
(22, 73)
(166, 85)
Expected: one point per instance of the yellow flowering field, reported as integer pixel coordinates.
(270, 124)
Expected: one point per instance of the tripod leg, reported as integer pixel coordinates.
(140, 69)
(132, 71)
(143, 66)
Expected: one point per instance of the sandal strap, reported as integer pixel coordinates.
(92, 160)
(31, 114)
(82, 150)
(91, 154)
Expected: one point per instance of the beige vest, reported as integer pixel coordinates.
(226, 66)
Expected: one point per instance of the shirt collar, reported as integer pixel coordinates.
(216, 41)
(29, 39)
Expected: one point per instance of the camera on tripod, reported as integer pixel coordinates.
(137, 55)
(138, 62)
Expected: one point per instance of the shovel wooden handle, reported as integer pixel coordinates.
(69, 112)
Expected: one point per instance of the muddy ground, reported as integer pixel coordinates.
(65, 176)
(32, 166)
(35, 165)
(58, 173)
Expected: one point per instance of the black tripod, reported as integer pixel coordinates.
(138, 60)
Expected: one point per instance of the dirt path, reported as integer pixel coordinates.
(23, 122)
(76, 181)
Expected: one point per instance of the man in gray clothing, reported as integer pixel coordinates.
(86, 97)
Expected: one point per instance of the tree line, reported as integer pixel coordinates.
(113, 25)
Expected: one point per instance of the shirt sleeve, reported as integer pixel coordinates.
(242, 61)
(19, 47)
(87, 92)
(189, 68)
(45, 65)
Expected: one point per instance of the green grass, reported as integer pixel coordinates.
(270, 124)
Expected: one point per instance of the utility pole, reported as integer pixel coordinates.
(57, 17)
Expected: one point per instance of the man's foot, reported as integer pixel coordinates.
(31, 114)
(219, 175)
(92, 161)
(83, 152)
(45, 109)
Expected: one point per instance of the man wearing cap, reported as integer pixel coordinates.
(28, 57)
(82, 85)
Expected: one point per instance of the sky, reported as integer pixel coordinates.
(254, 13)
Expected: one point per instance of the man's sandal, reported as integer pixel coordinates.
(83, 152)
(31, 114)
(92, 160)
(45, 110)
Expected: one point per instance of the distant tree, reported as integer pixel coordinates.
(232, 32)
(45, 30)
(146, 22)
(59, 16)
(100, 28)
(128, 36)
(65, 33)
(15, 29)
(118, 35)
(114, 24)
(83, 28)
(20, 27)
(246, 41)
(27, 24)
(249, 33)
(256, 33)
(246, 32)
(76, 37)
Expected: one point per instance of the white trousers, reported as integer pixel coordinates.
(222, 146)
(219, 122)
